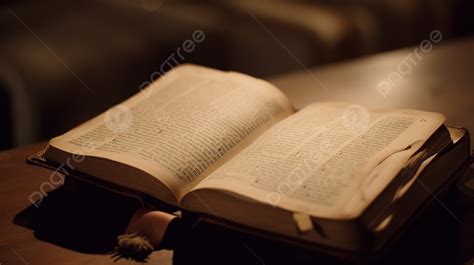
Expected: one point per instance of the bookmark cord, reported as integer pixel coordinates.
(134, 246)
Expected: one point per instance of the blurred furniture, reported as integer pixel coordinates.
(441, 80)
(73, 223)
(63, 63)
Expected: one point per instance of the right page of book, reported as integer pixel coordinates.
(319, 160)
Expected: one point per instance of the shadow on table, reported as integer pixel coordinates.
(436, 238)
(443, 234)
(84, 218)
(80, 217)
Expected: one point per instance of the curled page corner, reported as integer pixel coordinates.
(404, 188)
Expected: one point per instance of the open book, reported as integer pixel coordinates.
(230, 146)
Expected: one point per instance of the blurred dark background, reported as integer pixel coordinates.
(63, 62)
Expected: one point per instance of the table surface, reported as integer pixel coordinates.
(21, 245)
(440, 81)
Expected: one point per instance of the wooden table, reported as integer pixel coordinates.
(441, 81)
(22, 245)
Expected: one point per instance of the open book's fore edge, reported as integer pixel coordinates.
(455, 176)
(375, 213)
(377, 249)
(436, 195)
(38, 159)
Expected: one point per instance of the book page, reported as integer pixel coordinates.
(182, 126)
(316, 160)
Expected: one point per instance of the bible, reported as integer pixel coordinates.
(232, 150)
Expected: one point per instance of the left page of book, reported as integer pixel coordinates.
(180, 128)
